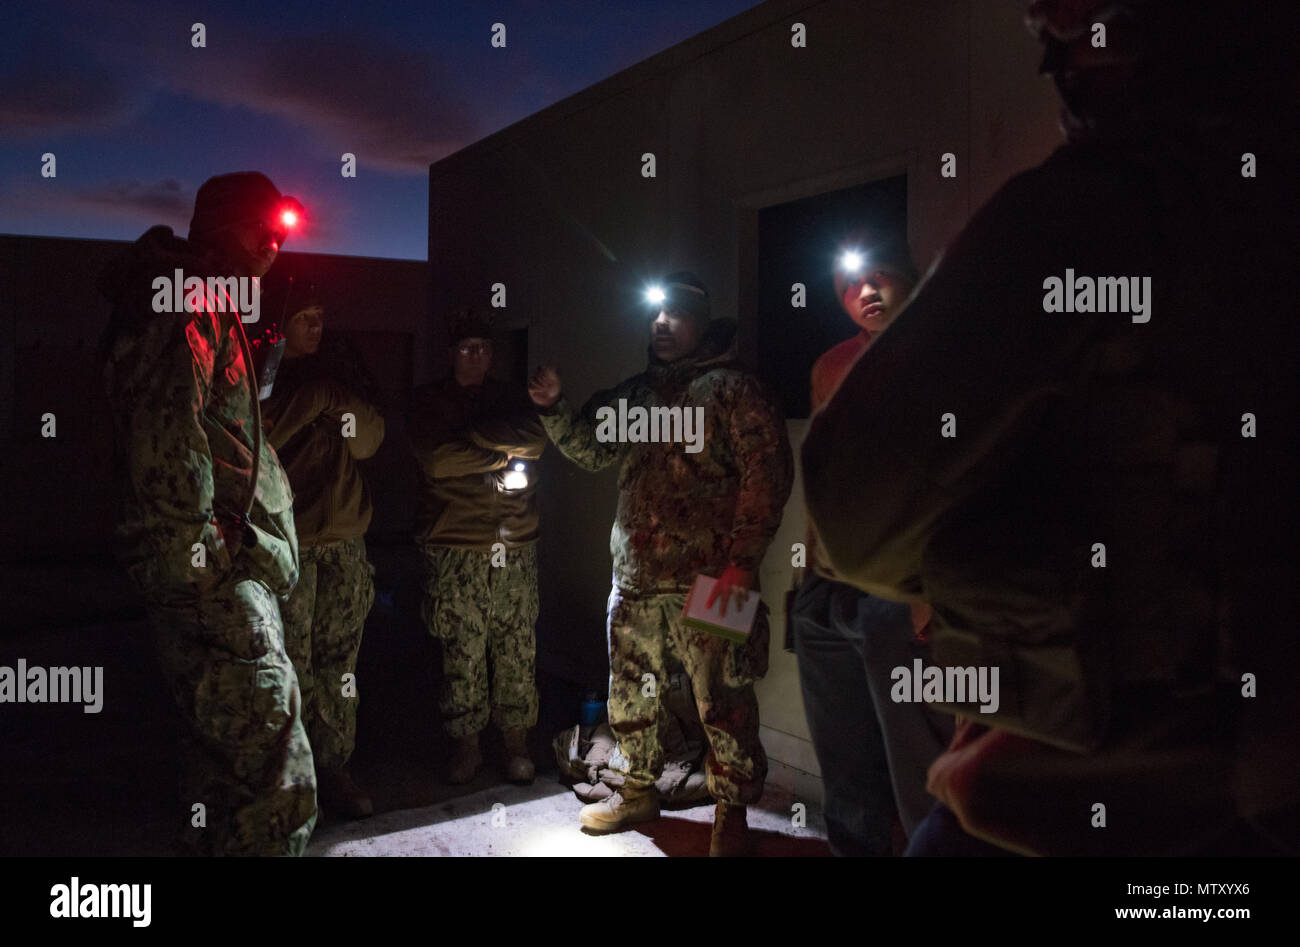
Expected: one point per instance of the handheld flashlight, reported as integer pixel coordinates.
(516, 478)
(655, 294)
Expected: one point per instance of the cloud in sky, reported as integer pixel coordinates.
(400, 88)
(138, 116)
(140, 203)
(397, 108)
(165, 201)
(50, 88)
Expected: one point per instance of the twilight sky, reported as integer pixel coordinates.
(137, 118)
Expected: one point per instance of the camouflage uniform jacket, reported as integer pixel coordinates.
(681, 514)
(182, 404)
(462, 438)
(304, 419)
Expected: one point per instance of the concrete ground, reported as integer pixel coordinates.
(77, 784)
(542, 819)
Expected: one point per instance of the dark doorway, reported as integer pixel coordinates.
(513, 360)
(798, 243)
(510, 355)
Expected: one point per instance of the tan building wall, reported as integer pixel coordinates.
(556, 208)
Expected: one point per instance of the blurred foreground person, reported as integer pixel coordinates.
(873, 752)
(320, 427)
(475, 439)
(1093, 482)
(709, 505)
(206, 528)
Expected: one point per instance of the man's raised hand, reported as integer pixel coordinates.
(544, 387)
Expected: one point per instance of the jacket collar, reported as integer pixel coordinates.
(717, 348)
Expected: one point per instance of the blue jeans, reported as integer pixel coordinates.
(873, 752)
(941, 835)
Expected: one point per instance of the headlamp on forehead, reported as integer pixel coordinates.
(285, 217)
(852, 261)
(677, 292)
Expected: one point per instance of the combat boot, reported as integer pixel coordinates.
(339, 794)
(465, 760)
(620, 810)
(519, 766)
(730, 831)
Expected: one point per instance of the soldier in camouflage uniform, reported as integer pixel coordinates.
(320, 426)
(474, 438)
(190, 458)
(681, 514)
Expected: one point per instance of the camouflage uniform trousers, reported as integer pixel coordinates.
(323, 623)
(246, 755)
(645, 632)
(480, 611)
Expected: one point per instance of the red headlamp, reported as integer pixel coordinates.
(285, 217)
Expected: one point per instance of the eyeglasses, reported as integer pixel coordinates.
(475, 348)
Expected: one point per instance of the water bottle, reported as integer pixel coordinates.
(593, 709)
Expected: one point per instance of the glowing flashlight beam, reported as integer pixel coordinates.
(655, 294)
(851, 261)
(289, 218)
